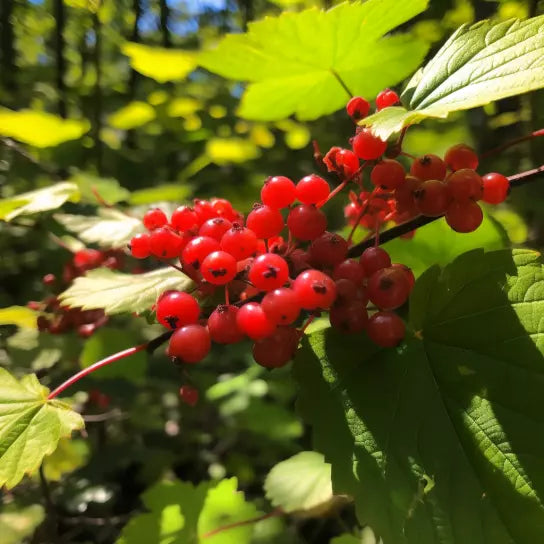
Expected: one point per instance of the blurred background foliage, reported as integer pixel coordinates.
(109, 94)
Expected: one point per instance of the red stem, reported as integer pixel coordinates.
(502, 147)
(274, 513)
(86, 371)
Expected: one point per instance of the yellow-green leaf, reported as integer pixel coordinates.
(133, 115)
(18, 524)
(228, 150)
(18, 315)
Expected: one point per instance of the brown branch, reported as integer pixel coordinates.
(516, 180)
(274, 513)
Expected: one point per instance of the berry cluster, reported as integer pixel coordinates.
(58, 319)
(280, 267)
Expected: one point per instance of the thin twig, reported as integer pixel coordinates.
(14, 146)
(274, 513)
(502, 147)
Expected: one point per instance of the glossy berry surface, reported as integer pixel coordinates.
(328, 250)
(222, 325)
(429, 166)
(495, 188)
(164, 243)
(349, 269)
(367, 146)
(198, 249)
(240, 242)
(278, 349)
(315, 290)
(461, 156)
(432, 198)
(281, 306)
(218, 268)
(464, 184)
(388, 288)
(253, 322)
(140, 246)
(351, 317)
(342, 161)
(88, 258)
(184, 218)
(465, 216)
(215, 228)
(190, 344)
(357, 108)
(265, 221)
(176, 308)
(306, 222)
(268, 272)
(373, 259)
(312, 189)
(388, 174)
(153, 219)
(386, 98)
(189, 395)
(386, 329)
(278, 192)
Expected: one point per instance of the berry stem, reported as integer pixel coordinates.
(511, 143)
(333, 193)
(275, 513)
(361, 214)
(342, 83)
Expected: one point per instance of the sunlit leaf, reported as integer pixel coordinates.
(168, 192)
(133, 115)
(18, 315)
(40, 129)
(68, 457)
(93, 188)
(183, 106)
(17, 525)
(228, 150)
(90, 5)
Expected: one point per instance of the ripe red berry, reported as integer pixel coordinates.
(306, 222)
(349, 270)
(140, 246)
(240, 242)
(464, 184)
(386, 98)
(253, 322)
(388, 288)
(388, 174)
(281, 306)
(215, 228)
(268, 272)
(432, 198)
(464, 216)
(315, 290)
(265, 221)
(346, 291)
(367, 146)
(184, 218)
(218, 268)
(155, 218)
(223, 208)
(351, 317)
(189, 395)
(407, 272)
(312, 189)
(175, 309)
(190, 344)
(495, 188)
(88, 258)
(405, 195)
(429, 167)
(222, 325)
(386, 329)
(198, 249)
(374, 259)
(342, 161)
(329, 249)
(278, 349)
(278, 192)
(461, 156)
(164, 243)
(358, 108)
(204, 210)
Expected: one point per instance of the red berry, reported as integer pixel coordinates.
(281, 306)
(342, 161)
(349, 270)
(222, 325)
(278, 349)
(464, 184)
(312, 189)
(198, 249)
(190, 344)
(189, 395)
(386, 98)
(223, 208)
(315, 290)
(464, 216)
(346, 291)
(374, 259)
(351, 317)
(215, 228)
(306, 222)
(405, 195)
(252, 321)
(358, 108)
(204, 211)
(429, 167)
(175, 309)
(386, 329)
(432, 198)
(496, 188)
(461, 156)
(240, 242)
(388, 174)
(407, 272)
(367, 146)
(184, 218)
(164, 243)
(218, 268)
(388, 288)
(278, 192)
(329, 249)
(268, 272)
(265, 221)
(153, 219)
(140, 246)
(88, 258)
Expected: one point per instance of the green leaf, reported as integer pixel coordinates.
(19, 315)
(91, 187)
(109, 229)
(133, 115)
(225, 505)
(90, 5)
(106, 341)
(168, 192)
(231, 150)
(158, 63)
(68, 457)
(41, 200)
(440, 440)
(40, 129)
(17, 525)
(477, 65)
(30, 426)
(116, 292)
(293, 62)
(174, 508)
(300, 483)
